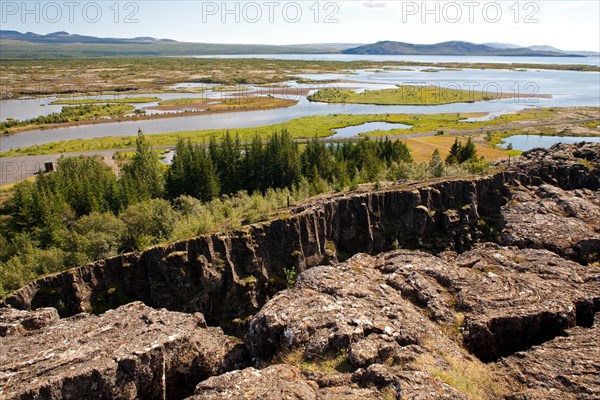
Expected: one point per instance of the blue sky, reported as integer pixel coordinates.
(569, 25)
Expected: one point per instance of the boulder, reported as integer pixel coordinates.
(13, 322)
(547, 217)
(502, 299)
(351, 318)
(128, 353)
(278, 382)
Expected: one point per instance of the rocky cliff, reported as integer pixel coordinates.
(497, 275)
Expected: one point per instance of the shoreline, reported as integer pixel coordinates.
(516, 121)
(26, 128)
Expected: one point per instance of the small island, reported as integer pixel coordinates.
(413, 95)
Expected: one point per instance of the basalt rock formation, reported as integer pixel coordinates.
(407, 308)
(133, 352)
(492, 293)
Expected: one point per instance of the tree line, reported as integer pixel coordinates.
(83, 211)
(229, 167)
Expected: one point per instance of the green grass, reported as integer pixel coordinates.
(180, 102)
(68, 114)
(469, 376)
(126, 100)
(304, 127)
(403, 95)
(64, 73)
(230, 88)
(333, 363)
(234, 103)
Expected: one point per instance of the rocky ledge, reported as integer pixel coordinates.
(133, 352)
(493, 292)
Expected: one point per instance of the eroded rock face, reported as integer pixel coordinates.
(128, 353)
(229, 276)
(566, 222)
(351, 310)
(14, 322)
(562, 165)
(333, 308)
(561, 368)
(500, 302)
(508, 299)
(278, 382)
(410, 309)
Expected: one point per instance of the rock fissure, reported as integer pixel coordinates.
(498, 267)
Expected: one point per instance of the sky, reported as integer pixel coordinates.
(567, 25)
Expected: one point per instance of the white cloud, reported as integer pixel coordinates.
(370, 4)
(374, 4)
(576, 4)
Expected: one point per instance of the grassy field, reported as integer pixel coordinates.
(180, 102)
(67, 116)
(403, 95)
(251, 103)
(230, 104)
(125, 100)
(422, 148)
(323, 126)
(93, 113)
(304, 127)
(152, 74)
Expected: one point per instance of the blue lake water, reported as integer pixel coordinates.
(567, 88)
(594, 60)
(528, 142)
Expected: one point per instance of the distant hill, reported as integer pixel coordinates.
(62, 45)
(453, 48)
(544, 48)
(497, 45)
(67, 38)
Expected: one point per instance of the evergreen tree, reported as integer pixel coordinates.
(317, 161)
(367, 160)
(453, 156)
(394, 151)
(144, 174)
(436, 164)
(468, 152)
(203, 175)
(191, 173)
(282, 161)
(176, 179)
(50, 211)
(227, 158)
(20, 207)
(255, 166)
(86, 184)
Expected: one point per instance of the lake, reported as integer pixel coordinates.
(568, 88)
(528, 142)
(593, 60)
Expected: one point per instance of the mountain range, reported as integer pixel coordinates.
(17, 45)
(458, 48)
(62, 37)
(542, 48)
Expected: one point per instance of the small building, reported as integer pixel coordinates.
(48, 166)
